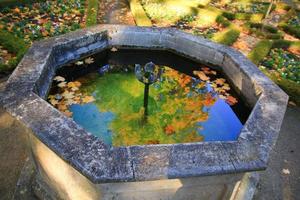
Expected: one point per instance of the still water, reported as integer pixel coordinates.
(189, 103)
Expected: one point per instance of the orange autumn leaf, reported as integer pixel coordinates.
(62, 107)
(201, 75)
(231, 100)
(220, 81)
(68, 113)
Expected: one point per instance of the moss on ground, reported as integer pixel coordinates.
(290, 87)
(91, 13)
(227, 37)
(14, 45)
(260, 51)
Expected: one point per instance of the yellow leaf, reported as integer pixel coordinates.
(62, 84)
(220, 81)
(88, 99)
(53, 102)
(71, 84)
(68, 95)
(77, 83)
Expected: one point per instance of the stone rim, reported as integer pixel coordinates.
(27, 88)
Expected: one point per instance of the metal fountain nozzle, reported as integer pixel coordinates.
(148, 74)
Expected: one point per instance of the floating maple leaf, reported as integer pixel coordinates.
(71, 84)
(68, 113)
(201, 75)
(53, 102)
(62, 107)
(220, 81)
(114, 49)
(62, 84)
(79, 63)
(88, 99)
(225, 87)
(221, 96)
(231, 100)
(89, 60)
(68, 95)
(74, 89)
(77, 83)
(59, 78)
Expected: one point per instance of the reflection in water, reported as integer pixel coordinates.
(181, 109)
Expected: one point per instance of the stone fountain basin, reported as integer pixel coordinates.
(63, 150)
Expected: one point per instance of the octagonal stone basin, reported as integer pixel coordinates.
(74, 164)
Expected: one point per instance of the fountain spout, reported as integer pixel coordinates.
(148, 75)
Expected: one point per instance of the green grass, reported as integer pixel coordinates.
(260, 51)
(227, 37)
(92, 11)
(14, 45)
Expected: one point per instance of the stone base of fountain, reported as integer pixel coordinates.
(73, 164)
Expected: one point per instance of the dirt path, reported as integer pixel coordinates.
(274, 183)
(114, 12)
